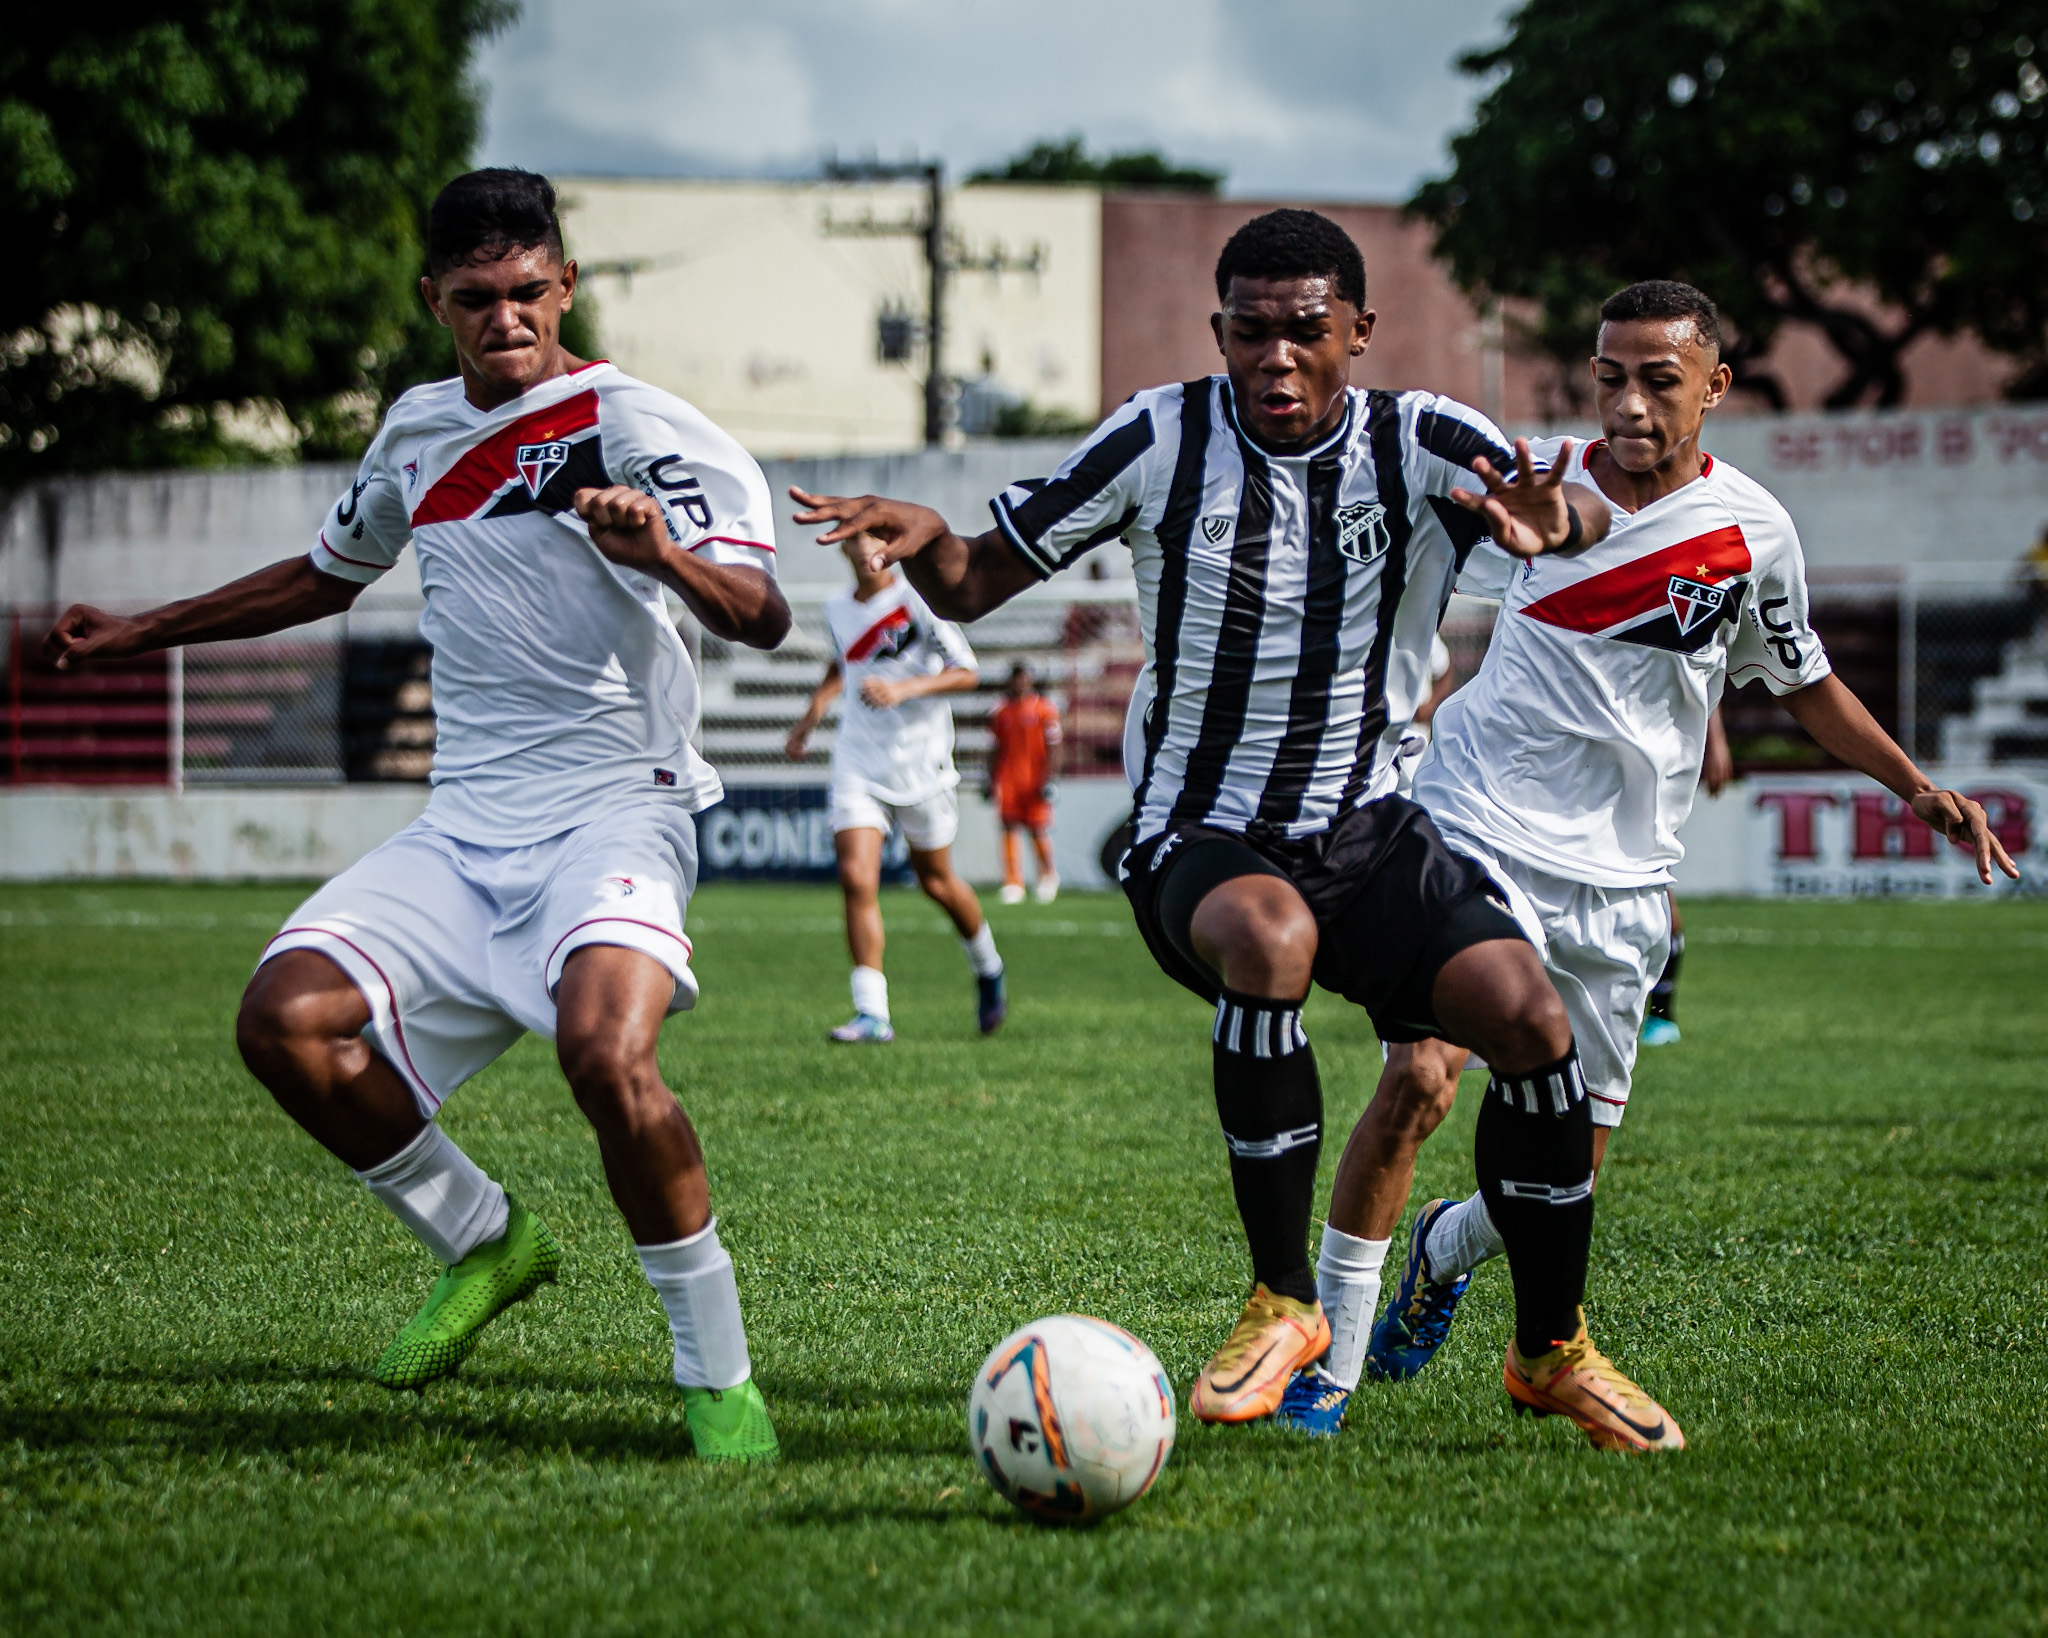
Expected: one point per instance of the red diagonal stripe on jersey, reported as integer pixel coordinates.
(1638, 587)
(871, 639)
(464, 488)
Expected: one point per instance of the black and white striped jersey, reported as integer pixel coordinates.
(1287, 600)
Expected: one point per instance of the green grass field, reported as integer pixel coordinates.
(1820, 1242)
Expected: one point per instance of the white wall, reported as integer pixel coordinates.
(212, 835)
(257, 833)
(1932, 488)
(750, 300)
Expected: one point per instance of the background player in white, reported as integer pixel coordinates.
(550, 502)
(892, 763)
(1570, 762)
(1294, 540)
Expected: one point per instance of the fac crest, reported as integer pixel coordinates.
(1362, 531)
(539, 462)
(1694, 603)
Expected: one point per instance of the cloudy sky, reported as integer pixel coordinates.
(1338, 99)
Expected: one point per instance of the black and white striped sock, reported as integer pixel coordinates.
(1270, 1101)
(1533, 1151)
(1551, 1090)
(1265, 1029)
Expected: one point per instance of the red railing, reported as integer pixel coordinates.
(107, 723)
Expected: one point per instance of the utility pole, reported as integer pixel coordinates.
(932, 230)
(942, 259)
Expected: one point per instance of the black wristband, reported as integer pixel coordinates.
(1573, 535)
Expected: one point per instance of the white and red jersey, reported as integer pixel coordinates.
(902, 754)
(559, 679)
(1577, 747)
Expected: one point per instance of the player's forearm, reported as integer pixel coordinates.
(1841, 726)
(285, 594)
(953, 680)
(739, 604)
(1595, 516)
(821, 701)
(964, 579)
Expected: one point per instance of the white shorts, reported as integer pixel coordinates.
(1603, 948)
(927, 826)
(458, 948)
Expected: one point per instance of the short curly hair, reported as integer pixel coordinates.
(1293, 244)
(1665, 299)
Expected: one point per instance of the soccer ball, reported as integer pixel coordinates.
(1071, 1418)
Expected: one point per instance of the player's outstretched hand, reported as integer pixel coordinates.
(625, 525)
(1963, 823)
(86, 633)
(1525, 513)
(894, 529)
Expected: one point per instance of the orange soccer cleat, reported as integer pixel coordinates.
(1575, 1379)
(1273, 1337)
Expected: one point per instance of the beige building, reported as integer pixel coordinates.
(767, 304)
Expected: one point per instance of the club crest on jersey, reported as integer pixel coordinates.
(1694, 603)
(1215, 528)
(1362, 531)
(539, 462)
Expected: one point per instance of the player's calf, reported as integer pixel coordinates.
(1269, 1100)
(611, 1009)
(1533, 1152)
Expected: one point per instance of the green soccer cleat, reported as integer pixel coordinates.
(731, 1425)
(467, 1298)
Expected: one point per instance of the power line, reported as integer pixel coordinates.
(942, 258)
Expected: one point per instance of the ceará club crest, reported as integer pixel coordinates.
(1362, 531)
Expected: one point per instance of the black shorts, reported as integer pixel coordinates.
(1392, 904)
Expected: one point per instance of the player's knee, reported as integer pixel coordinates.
(1534, 1030)
(616, 1086)
(1260, 938)
(278, 1017)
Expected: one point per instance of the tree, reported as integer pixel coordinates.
(1070, 163)
(1794, 158)
(213, 212)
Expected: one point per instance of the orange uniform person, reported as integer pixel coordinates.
(1024, 727)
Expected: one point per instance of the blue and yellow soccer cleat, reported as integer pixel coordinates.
(732, 1425)
(468, 1297)
(1418, 1318)
(1313, 1403)
(1658, 1032)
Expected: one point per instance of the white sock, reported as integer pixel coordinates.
(1348, 1285)
(1461, 1239)
(694, 1280)
(443, 1196)
(871, 992)
(981, 952)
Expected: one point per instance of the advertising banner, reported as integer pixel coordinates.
(1841, 836)
(778, 833)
